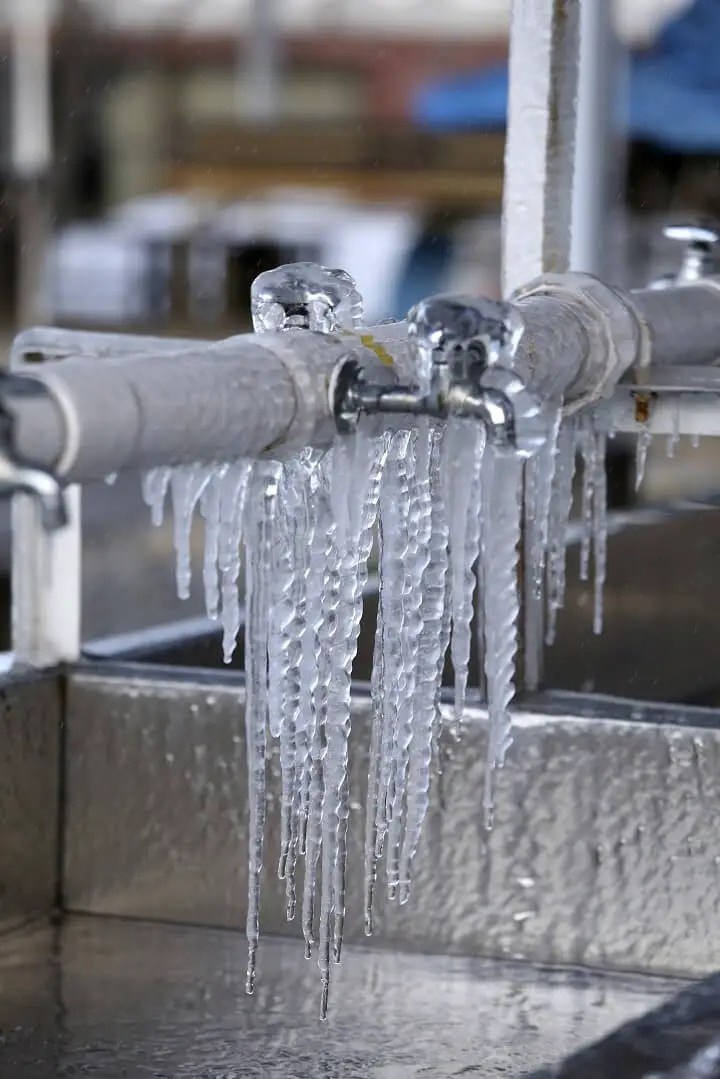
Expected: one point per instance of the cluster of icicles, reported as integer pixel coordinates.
(447, 511)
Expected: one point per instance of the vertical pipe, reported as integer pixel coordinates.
(46, 569)
(538, 200)
(540, 150)
(31, 147)
(259, 89)
(591, 195)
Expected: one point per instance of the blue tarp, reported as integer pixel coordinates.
(674, 89)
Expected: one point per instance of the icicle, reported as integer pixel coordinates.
(394, 510)
(600, 527)
(210, 508)
(642, 445)
(372, 806)
(415, 565)
(233, 494)
(587, 445)
(351, 477)
(155, 484)
(500, 554)
(294, 747)
(674, 436)
(187, 484)
(464, 447)
(539, 476)
(313, 682)
(431, 658)
(367, 469)
(560, 507)
(258, 550)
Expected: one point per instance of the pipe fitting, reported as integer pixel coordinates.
(618, 335)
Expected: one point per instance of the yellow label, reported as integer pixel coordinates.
(369, 341)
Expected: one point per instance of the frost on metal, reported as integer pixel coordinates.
(441, 506)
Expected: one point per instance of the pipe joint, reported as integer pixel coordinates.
(618, 335)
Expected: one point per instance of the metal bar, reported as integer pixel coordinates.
(542, 116)
(259, 96)
(540, 213)
(591, 181)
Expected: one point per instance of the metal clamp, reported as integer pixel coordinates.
(16, 475)
(463, 351)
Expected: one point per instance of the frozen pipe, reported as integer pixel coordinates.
(266, 394)
(50, 343)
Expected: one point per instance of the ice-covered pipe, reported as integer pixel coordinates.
(260, 394)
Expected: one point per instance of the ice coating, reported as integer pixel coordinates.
(445, 500)
(305, 295)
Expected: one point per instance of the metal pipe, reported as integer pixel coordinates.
(591, 181)
(684, 323)
(259, 394)
(539, 155)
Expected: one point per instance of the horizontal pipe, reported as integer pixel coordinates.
(255, 395)
(684, 323)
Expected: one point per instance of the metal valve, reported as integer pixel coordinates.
(699, 256)
(463, 351)
(16, 475)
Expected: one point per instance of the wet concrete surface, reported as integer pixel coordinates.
(124, 1000)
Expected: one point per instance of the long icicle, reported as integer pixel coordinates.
(394, 508)
(561, 506)
(294, 748)
(377, 455)
(539, 476)
(502, 484)
(258, 553)
(313, 676)
(416, 561)
(431, 656)
(600, 528)
(464, 446)
(587, 444)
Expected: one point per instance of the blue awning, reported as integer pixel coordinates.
(674, 90)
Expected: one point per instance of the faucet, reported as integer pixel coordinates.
(463, 351)
(18, 476)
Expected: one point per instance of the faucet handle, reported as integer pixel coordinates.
(18, 476)
(700, 240)
(305, 295)
(469, 327)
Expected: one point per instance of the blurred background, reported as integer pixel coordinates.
(155, 155)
